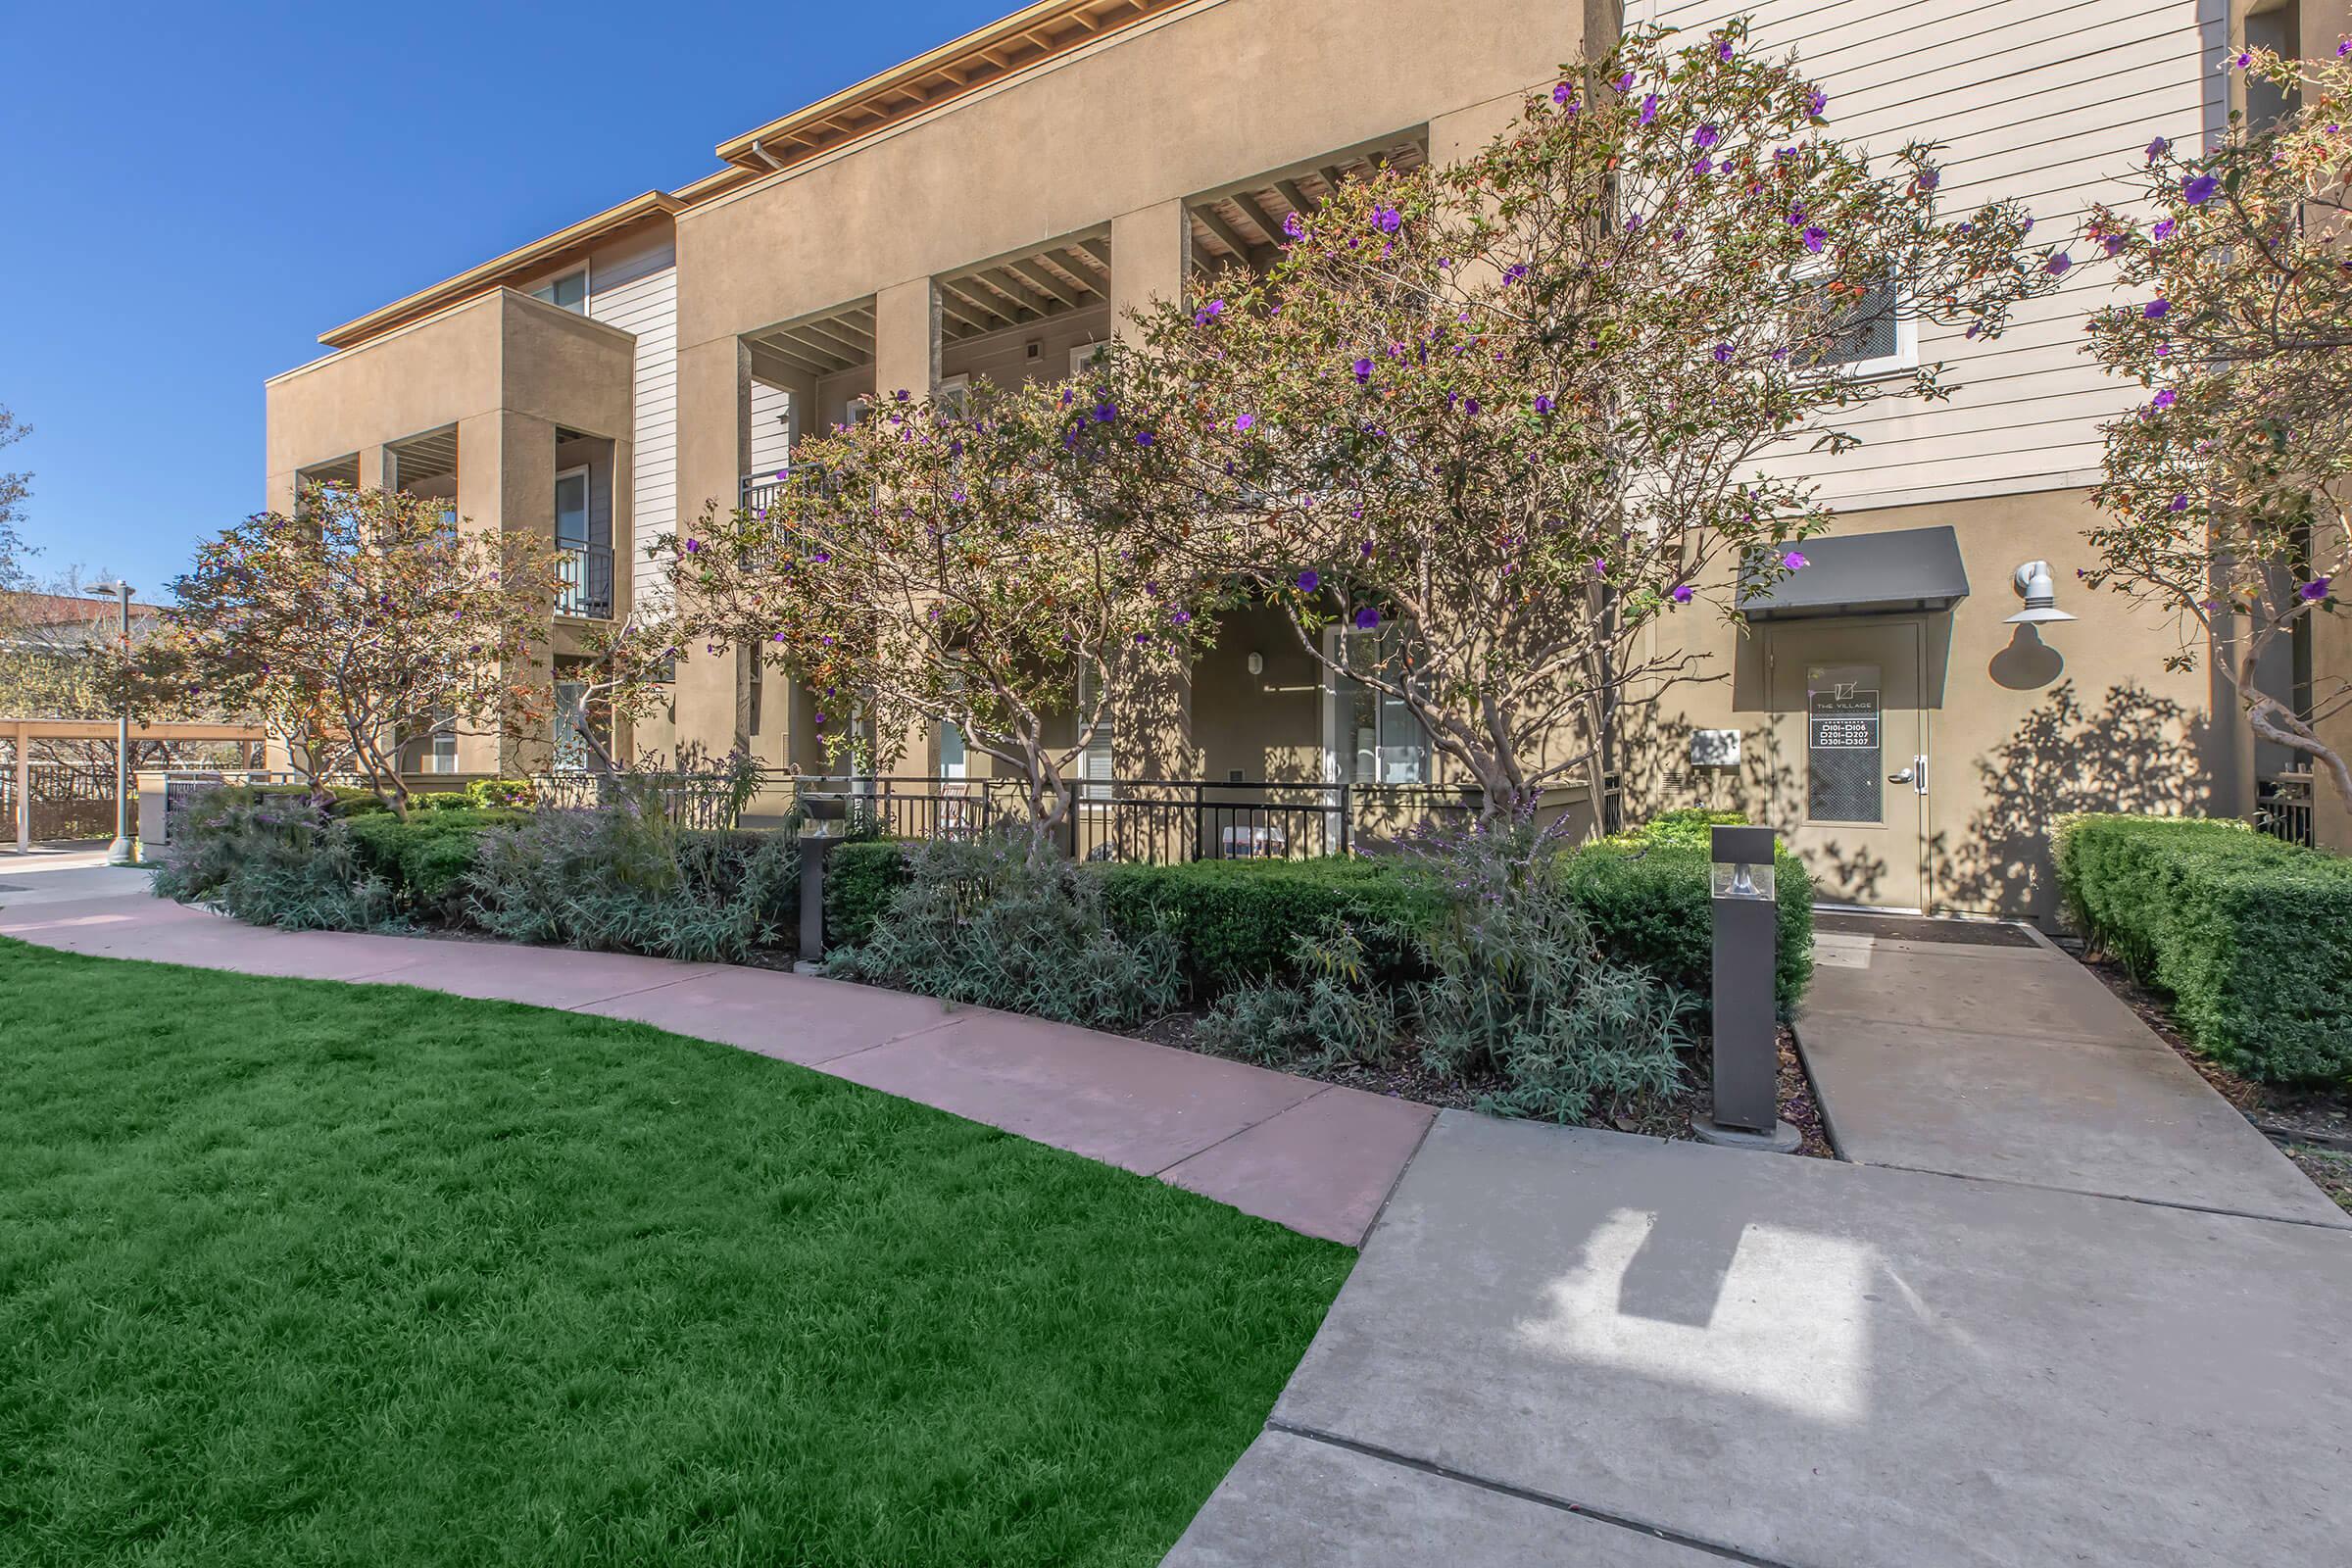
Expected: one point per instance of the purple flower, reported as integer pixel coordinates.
(2180, 504)
(2314, 591)
(1704, 137)
(2158, 148)
(1363, 371)
(2343, 49)
(1294, 227)
(779, 473)
(1387, 220)
(1310, 580)
(1723, 353)
(1562, 93)
(1516, 273)
(1208, 313)
(1682, 593)
(1625, 84)
(1705, 166)
(1470, 405)
(1722, 49)
(1244, 422)
(2244, 59)
(1649, 108)
(1366, 619)
(2057, 265)
(1600, 568)
(2164, 228)
(2113, 244)
(2198, 192)
(1815, 237)
(1106, 412)
(2156, 309)
(1144, 438)
(1182, 617)
(1816, 101)
(2167, 398)
(1544, 405)
(694, 547)
(1794, 561)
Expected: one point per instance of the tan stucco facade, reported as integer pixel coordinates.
(505, 373)
(854, 224)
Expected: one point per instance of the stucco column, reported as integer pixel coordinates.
(373, 467)
(714, 397)
(905, 340)
(506, 481)
(1151, 255)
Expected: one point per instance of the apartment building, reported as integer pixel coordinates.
(994, 207)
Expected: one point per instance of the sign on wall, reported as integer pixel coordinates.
(1842, 743)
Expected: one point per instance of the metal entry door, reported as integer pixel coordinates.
(1849, 719)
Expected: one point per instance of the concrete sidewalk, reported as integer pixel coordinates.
(1315, 1157)
(2009, 1061)
(1573, 1347)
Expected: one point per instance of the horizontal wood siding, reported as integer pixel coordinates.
(637, 291)
(2049, 101)
(771, 437)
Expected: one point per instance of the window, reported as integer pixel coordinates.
(953, 396)
(2279, 29)
(571, 509)
(1370, 737)
(566, 293)
(1872, 337)
(571, 723)
(857, 411)
(1097, 765)
(440, 747)
(1082, 358)
(954, 761)
(1841, 744)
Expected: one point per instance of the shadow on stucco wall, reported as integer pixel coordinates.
(2136, 751)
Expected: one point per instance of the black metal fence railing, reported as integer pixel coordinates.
(584, 574)
(1156, 820)
(2282, 808)
(759, 491)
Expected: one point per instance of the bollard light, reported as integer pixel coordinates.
(1746, 1113)
(824, 825)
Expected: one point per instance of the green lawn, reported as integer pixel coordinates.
(294, 1272)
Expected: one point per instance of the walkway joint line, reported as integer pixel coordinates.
(2110, 1198)
(1315, 1094)
(1406, 1461)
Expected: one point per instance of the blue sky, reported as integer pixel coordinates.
(189, 194)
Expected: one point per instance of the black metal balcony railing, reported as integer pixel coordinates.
(759, 491)
(585, 572)
(2282, 807)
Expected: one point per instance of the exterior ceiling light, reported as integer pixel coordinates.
(2040, 594)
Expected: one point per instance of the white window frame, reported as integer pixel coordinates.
(1096, 788)
(1082, 357)
(1906, 346)
(961, 387)
(545, 292)
(587, 504)
(859, 409)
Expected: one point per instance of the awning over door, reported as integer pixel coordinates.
(1868, 574)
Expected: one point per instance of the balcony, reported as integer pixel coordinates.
(760, 490)
(585, 572)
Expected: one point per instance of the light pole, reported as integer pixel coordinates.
(118, 852)
(1745, 1110)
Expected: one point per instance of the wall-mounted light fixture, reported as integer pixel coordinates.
(1257, 663)
(2040, 594)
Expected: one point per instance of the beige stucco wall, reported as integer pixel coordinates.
(1119, 134)
(506, 370)
(2021, 729)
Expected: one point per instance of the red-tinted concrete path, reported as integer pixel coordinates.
(1314, 1157)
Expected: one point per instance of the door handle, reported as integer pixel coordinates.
(1904, 778)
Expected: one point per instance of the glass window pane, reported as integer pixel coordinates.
(571, 509)
(568, 292)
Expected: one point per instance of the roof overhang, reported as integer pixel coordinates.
(1868, 574)
(955, 70)
(514, 266)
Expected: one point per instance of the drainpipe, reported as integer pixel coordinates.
(761, 148)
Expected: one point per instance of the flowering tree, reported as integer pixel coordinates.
(2225, 494)
(1508, 414)
(625, 676)
(966, 564)
(364, 620)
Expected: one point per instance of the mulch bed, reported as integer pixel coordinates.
(1671, 1119)
(2312, 1126)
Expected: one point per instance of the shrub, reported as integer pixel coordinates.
(1237, 921)
(1007, 922)
(2251, 937)
(1645, 896)
(503, 794)
(423, 861)
(272, 861)
(621, 881)
(1518, 994)
(860, 878)
(441, 801)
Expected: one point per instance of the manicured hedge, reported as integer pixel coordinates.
(2252, 937)
(1648, 902)
(859, 878)
(1237, 920)
(424, 859)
